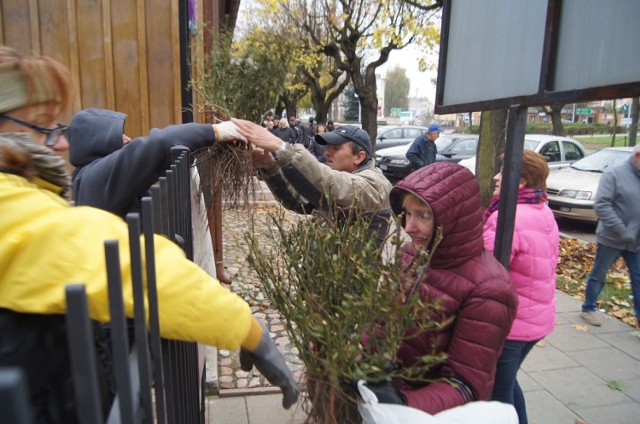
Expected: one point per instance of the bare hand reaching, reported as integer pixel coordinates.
(258, 135)
(263, 159)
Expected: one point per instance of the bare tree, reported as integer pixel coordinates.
(360, 34)
(325, 80)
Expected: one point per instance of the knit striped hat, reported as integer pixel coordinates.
(31, 80)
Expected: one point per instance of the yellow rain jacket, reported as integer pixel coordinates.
(46, 244)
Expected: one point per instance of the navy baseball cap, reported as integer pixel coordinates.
(434, 128)
(345, 133)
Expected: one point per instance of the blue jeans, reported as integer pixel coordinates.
(605, 257)
(506, 388)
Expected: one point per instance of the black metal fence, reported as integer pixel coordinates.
(157, 380)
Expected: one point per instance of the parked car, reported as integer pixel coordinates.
(559, 151)
(451, 148)
(395, 135)
(572, 190)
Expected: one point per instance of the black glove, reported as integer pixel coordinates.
(386, 393)
(271, 364)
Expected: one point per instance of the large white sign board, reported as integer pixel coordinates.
(500, 58)
(496, 53)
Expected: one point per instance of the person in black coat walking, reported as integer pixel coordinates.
(423, 149)
(284, 132)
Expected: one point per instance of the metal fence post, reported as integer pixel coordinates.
(83, 356)
(124, 403)
(14, 397)
(141, 342)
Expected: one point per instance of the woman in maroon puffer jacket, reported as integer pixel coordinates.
(474, 290)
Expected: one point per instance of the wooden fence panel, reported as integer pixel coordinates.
(163, 58)
(92, 53)
(16, 24)
(123, 54)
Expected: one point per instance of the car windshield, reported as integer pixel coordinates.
(443, 142)
(530, 144)
(601, 160)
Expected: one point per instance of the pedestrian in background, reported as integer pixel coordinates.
(284, 132)
(422, 151)
(532, 268)
(310, 128)
(318, 149)
(617, 205)
(298, 132)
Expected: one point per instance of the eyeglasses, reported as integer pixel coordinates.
(53, 134)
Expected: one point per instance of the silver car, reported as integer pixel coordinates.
(572, 190)
(396, 135)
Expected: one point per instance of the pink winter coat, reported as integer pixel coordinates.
(534, 257)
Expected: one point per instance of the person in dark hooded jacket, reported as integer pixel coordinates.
(474, 289)
(113, 172)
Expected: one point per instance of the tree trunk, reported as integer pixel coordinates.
(366, 91)
(291, 106)
(556, 119)
(493, 127)
(279, 108)
(369, 116)
(635, 114)
(322, 110)
(322, 97)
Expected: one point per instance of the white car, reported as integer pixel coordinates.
(559, 151)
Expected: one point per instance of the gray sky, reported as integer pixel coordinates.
(407, 58)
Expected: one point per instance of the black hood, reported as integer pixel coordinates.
(93, 134)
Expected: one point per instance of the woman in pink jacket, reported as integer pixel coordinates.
(534, 256)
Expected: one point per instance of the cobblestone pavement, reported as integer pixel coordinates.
(245, 283)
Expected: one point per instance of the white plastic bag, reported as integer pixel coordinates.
(479, 412)
(373, 412)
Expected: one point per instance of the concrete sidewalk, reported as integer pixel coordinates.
(566, 379)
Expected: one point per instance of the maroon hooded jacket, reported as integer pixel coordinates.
(472, 285)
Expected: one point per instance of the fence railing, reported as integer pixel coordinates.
(157, 380)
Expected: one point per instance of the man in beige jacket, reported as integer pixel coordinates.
(349, 182)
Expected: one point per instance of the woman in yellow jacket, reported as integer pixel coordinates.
(47, 244)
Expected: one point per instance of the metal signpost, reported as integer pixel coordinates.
(498, 54)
